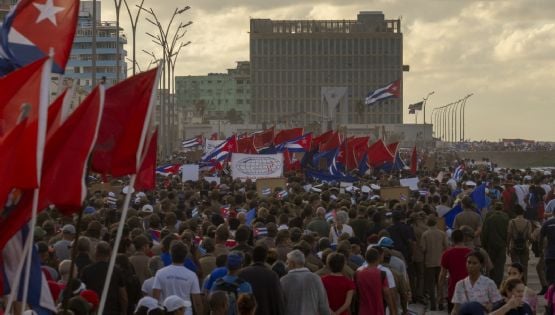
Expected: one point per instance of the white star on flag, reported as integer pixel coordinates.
(48, 11)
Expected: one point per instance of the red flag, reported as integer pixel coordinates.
(39, 28)
(120, 137)
(246, 145)
(413, 161)
(64, 166)
(392, 147)
(355, 148)
(332, 143)
(323, 138)
(288, 134)
(146, 178)
(378, 154)
(23, 104)
(214, 136)
(263, 139)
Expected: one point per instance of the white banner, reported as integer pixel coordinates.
(189, 172)
(411, 183)
(211, 144)
(253, 166)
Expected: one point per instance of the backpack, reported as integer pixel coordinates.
(520, 242)
(232, 291)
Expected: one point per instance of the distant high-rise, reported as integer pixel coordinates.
(298, 66)
(80, 63)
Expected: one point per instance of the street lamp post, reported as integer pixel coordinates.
(167, 50)
(424, 105)
(463, 113)
(134, 29)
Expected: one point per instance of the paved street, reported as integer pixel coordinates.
(533, 282)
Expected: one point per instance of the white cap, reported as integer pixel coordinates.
(365, 189)
(470, 183)
(149, 302)
(374, 187)
(125, 189)
(147, 209)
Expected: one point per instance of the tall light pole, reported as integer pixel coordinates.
(463, 113)
(424, 105)
(134, 29)
(167, 51)
(93, 50)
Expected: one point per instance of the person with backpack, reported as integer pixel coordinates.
(509, 197)
(518, 237)
(231, 283)
(494, 240)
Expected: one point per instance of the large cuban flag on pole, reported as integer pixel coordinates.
(36, 28)
(393, 89)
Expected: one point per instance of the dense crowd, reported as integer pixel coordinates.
(208, 248)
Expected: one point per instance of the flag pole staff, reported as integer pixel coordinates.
(121, 224)
(41, 139)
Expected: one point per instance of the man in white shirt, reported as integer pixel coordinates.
(175, 279)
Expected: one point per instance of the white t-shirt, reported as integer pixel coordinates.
(176, 280)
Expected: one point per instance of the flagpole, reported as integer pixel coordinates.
(41, 139)
(139, 159)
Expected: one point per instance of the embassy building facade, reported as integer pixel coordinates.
(320, 71)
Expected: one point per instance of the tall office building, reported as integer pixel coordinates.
(320, 71)
(80, 64)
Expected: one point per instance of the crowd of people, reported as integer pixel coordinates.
(208, 248)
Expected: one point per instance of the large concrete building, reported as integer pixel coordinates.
(213, 96)
(79, 66)
(319, 71)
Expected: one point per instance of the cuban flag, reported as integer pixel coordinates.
(261, 231)
(39, 296)
(168, 169)
(195, 213)
(225, 212)
(33, 29)
(298, 144)
(282, 194)
(155, 236)
(223, 151)
(334, 167)
(393, 89)
(459, 171)
(193, 142)
(330, 216)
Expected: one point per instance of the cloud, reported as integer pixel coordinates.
(502, 51)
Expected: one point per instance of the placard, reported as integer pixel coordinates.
(255, 166)
(189, 172)
(411, 183)
(263, 184)
(398, 193)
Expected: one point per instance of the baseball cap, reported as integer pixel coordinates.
(385, 242)
(68, 228)
(173, 303)
(147, 209)
(148, 302)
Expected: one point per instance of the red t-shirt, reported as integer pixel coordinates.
(454, 260)
(337, 288)
(370, 283)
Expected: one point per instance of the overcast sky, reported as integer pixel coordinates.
(502, 51)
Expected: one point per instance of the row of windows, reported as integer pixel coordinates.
(315, 105)
(326, 62)
(324, 77)
(102, 57)
(99, 33)
(326, 46)
(88, 45)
